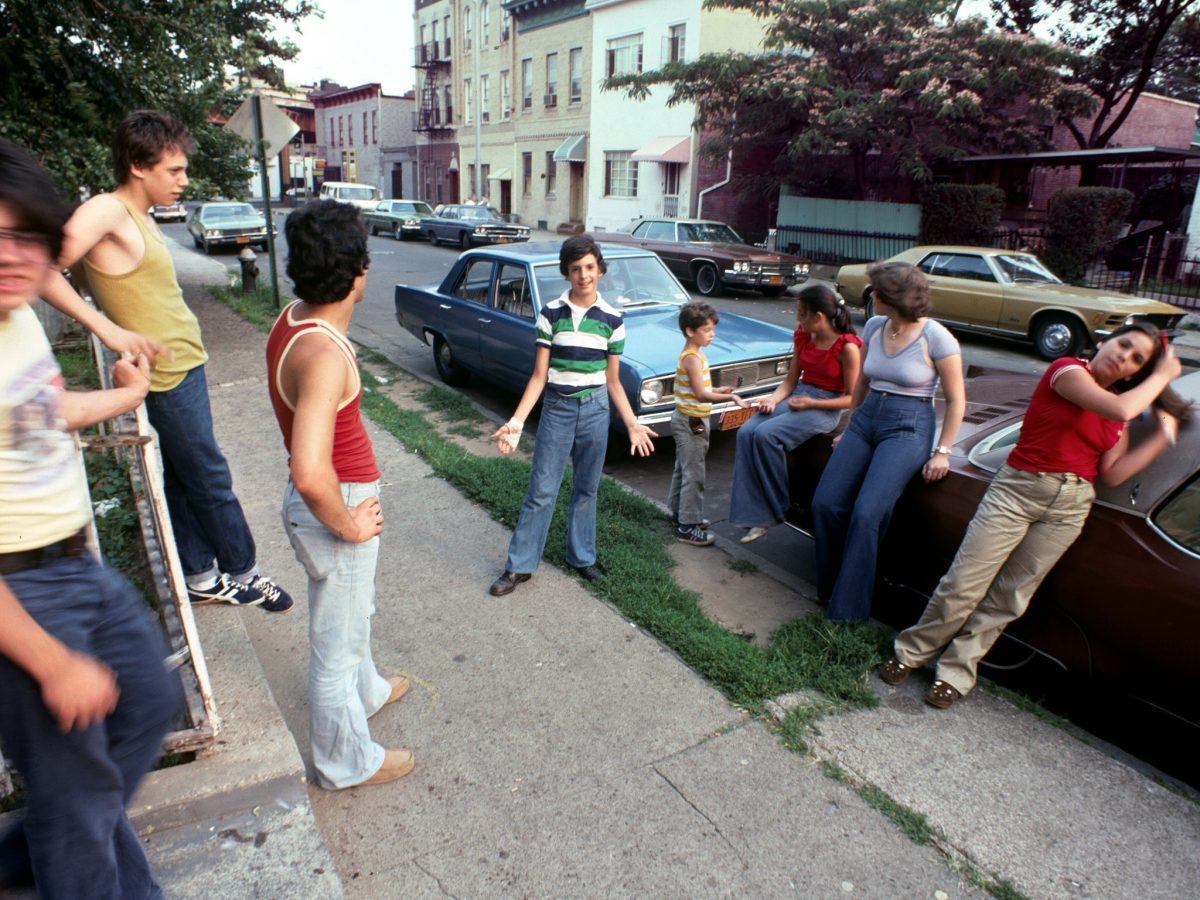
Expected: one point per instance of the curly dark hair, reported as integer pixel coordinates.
(901, 286)
(578, 247)
(697, 314)
(32, 196)
(327, 250)
(1170, 400)
(143, 137)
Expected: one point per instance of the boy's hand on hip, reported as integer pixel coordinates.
(368, 521)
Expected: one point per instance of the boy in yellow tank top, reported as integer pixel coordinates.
(133, 281)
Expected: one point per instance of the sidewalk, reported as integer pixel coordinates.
(560, 751)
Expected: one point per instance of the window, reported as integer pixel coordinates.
(350, 129)
(341, 133)
(958, 265)
(505, 24)
(433, 33)
(1179, 517)
(483, 98)
(485, 23)
(364, 131)
(374, 126)
(676, 36)
(468, 28)
(422, 46)
(620, 174)
(551, 98)
(527, 173)
(527, 84)
(331, 132)
(505, 95)
(624, 55)
(446, 39)
(438, 182)
(576, 64)
(512, 291)
(468, 104)
(655, 231)
(475, 281)
(449, 105)
(551, 174)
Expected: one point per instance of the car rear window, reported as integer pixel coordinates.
(1179, 517)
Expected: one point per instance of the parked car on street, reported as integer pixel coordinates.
(399, 218)
(171, 212)
(364, 196)
(227, 225)
(466, 225)
(1123, 603)
(712, 256)
(481, 321)
(1011, 294)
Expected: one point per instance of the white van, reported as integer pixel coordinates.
(362, 195)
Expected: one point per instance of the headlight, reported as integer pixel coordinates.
(782, 366)
(741, 266)
(212, 233)
(410, 221)
(800, 269)
(1129, 320)
(652, 391)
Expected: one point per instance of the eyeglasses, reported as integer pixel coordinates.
(26, 244)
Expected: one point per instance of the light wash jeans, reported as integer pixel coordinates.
(685, 498)
(344, 689)
(575, 429)
(1025, 522)
(760, 494)
(886, 443)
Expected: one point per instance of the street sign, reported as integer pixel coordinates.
(277, 128)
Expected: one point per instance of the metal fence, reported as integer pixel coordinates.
(834, 246)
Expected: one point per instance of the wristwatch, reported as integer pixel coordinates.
(940, 448)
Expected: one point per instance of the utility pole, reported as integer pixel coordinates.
(260, 148)
(475, 92)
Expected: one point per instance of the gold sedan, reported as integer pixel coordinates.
(1009, 293)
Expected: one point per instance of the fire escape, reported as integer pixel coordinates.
(433, 59)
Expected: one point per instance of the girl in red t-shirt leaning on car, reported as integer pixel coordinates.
(1036, 505)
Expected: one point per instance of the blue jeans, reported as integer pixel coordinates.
(344, 688)
(205, 515)
(75, 833)
(760, 494)
(886, 443)
(574, 429)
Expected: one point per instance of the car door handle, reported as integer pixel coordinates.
(485, 321)
(445, 306)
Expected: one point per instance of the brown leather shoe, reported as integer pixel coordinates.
(396, 764)
(507, 582)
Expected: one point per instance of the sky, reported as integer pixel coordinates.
(358, 41)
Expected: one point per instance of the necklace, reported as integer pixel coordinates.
(894, 333)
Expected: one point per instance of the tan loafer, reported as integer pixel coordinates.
(396, 764)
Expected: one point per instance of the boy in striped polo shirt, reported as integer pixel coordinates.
(576, 374)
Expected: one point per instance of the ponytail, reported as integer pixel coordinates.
(820, 298)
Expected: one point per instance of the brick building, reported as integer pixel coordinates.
(366, 136)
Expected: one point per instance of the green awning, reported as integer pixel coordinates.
(573, 149)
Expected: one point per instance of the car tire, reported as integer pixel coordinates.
(373, 230)
(464, 240)
(708, 280)
(397, 233)
(196, 241)
(1057, 336)
(207, 249)
(868, 304)
(443, 360)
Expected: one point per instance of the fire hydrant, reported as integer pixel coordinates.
(249, 270)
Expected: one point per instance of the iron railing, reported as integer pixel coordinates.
(834, 246)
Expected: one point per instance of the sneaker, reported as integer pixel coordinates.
(752, 534)
(704, 523)
(275, 598)
(694, 535)
(226, 590)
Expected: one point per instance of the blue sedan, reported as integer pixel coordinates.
(480, 321)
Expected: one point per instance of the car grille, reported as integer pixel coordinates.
(746, 375)
(500, 230)
(235, 232)
(776, 269)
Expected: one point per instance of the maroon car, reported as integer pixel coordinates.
(712, 256)
(1122, 605)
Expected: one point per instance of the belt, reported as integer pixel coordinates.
(893, 395)
(33, 559)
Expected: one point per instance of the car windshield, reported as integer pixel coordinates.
(483, 213)
(409, 209)
(631, 282)
(232, 211)
(1022, 269)
(708, 233)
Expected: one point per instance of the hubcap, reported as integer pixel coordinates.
(1057, 338)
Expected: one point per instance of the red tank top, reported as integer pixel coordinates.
(822, 368)
(353, 458)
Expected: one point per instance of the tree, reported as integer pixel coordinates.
(1123, 47)
(848, 78)
(71, 69)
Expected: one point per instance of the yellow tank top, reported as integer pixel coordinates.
(148, 300)
(685, 393)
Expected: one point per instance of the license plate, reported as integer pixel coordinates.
(503, 240)
(775, 279)
(735, 418)
(243, 240)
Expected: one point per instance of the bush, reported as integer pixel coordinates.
(1081, 222)
(960, 213)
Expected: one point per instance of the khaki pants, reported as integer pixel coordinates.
(1024, 523)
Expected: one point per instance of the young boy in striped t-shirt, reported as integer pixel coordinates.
(576, 373)
(694, 396)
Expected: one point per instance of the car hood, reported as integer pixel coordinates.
(653, 341)
(234, 222)
(1070, 295)
(754, 254)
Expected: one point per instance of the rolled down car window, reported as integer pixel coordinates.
(1179, 517)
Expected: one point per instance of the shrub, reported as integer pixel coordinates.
(1081, 222)
(960, 213)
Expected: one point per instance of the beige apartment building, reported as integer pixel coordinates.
(366, 136)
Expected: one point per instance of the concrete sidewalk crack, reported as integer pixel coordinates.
(717, 828)
(441, 887)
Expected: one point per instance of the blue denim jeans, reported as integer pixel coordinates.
(575, 430)
(886, 443)
(75, 833)
(205, 515)
(344, 688)
(760, 493)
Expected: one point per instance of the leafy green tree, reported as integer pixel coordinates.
(71, 69)
(849, 78)
(1123, 48)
